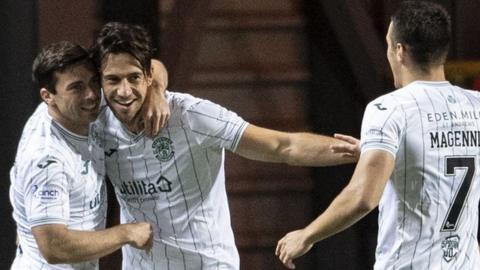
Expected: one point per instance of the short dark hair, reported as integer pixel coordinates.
(56, 57)
(118, 37)
(425, 29)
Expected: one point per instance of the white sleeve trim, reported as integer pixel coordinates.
(46, 221)
(377, 146)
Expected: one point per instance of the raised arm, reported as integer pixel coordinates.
(301, 149)
(361, 196)
(155, 110)
(58, 244)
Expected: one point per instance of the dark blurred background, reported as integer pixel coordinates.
(284, 64)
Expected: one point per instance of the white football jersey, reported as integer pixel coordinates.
(428, 214)
(58, 178)
(177, 183)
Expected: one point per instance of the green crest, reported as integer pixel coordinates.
(163, 148)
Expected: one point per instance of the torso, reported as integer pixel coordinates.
(57, 178)
(433, 130)
(176, 181)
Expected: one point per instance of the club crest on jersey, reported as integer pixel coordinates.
(450, 247)
(451, 99)
(163, 148)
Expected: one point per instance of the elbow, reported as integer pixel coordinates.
(290, 157)
(365, 206)
(281, 154)
(52, 241)
(364, 202)
(53, 256)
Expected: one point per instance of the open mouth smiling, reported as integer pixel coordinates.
(90, 108)
(124, 104)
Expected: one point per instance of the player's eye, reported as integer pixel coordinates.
(111, 80)
(76, 87)
(135, 78)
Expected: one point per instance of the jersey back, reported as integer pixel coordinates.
(429, 210)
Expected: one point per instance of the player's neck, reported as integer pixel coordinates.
(433, 74)
(135, 125)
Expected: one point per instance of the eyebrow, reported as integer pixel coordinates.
(72, 84)
(110, 76)
(127, 75)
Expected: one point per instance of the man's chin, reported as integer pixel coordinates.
(125, 115)
(92, 116)
(125, 118)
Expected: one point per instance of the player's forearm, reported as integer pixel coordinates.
(159, 78)
(343, 212)
(70, 246)
(308, 149)
(300, 149)
(155, 110)
(156, 90)
(360, 196)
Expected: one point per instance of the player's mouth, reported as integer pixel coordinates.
(124, 104)
(90, 108)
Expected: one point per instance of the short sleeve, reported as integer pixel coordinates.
(382, 126)
(47, 192)
(214, 126)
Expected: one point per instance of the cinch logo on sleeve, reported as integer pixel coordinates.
(46, 193)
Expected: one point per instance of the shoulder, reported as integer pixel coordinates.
(472, 95)
(182, 101)
(40, 135)
(398, 101)
(185, 106)
(385, 104)
(38, 122)
(399, 96)
(41, 166)
(51, 148)
(385, 112)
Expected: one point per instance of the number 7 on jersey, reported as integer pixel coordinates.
(452, 163)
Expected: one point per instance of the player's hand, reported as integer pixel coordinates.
(292, 246)
(155, 113)
(350, 148)
(156, 110)
(141, 235)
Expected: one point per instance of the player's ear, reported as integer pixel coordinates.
(46, 96)
(150, 76)
(400, 52)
